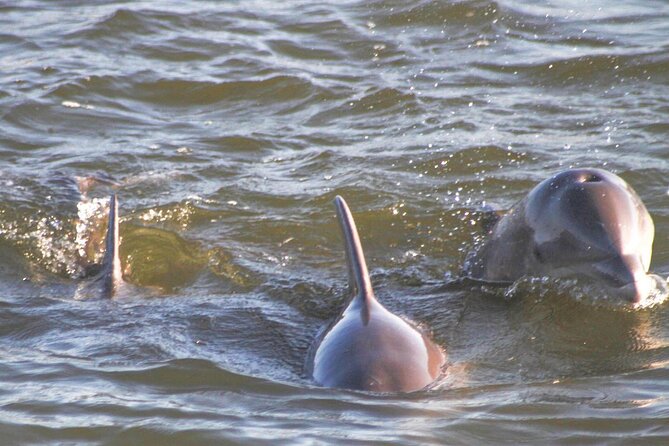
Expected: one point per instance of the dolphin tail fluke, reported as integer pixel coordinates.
(357, 267)
(111, 262)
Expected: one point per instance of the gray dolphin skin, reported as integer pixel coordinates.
(111, 263)
(580, 222)
(368, 347)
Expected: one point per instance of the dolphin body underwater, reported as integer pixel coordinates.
(578, 223)
(368, 347)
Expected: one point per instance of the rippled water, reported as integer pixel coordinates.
(227, 128)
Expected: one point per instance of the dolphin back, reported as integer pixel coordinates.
(368, 347)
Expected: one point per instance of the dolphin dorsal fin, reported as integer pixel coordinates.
(111, 262)
(357, 267)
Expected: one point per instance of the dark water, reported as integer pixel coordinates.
(229, 127)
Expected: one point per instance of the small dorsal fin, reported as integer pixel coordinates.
(488, 217)
(357, 267)
(111, 262)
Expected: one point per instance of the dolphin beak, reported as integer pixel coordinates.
(638, 291)
(628, 276)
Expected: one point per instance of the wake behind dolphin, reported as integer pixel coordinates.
(370, 348)
(580, 222)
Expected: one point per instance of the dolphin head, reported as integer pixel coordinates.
(590, 222)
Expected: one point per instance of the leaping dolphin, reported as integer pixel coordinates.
(580, 222)
(368, 347)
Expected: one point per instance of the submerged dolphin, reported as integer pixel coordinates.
(580, 222)
(110, 273)
(368, 347)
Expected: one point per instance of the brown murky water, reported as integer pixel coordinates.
(230, 126)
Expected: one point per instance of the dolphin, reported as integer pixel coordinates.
(368, 347)
(110, 273)
(580, 222)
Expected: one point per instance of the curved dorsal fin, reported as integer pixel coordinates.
(357, 267)
(111, 262)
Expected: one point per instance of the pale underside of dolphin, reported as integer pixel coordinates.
(368, 347)
(578, 223)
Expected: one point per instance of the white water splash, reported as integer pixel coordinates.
(88, 211)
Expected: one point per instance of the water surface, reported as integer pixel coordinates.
(229, 127)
